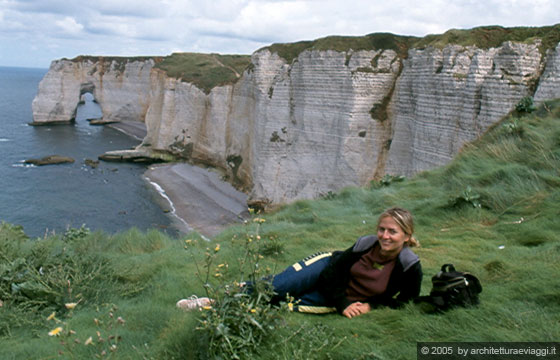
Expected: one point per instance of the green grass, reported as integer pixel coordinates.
(486, 37)
(483, 37)
(511, 243)
(206, 71)
(386, 41)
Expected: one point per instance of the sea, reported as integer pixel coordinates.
(110, 197)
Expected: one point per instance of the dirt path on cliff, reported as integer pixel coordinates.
(238, 75)
(199, 198)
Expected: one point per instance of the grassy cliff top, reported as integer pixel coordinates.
(118, 59)
(207, 71)
(483, 37)
(400, 44)
(493, 36)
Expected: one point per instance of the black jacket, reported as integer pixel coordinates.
(405, 279)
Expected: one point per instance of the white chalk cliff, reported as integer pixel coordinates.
(289, 130)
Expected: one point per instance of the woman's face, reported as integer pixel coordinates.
(391, 236)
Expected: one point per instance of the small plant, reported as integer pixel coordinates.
(241, 316)
(73, 234)
(387, 180)
(525, 105)
(329, 195)
(272, 246)
(514, 128)
(467, 197)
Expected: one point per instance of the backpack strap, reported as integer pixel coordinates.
(448, 268)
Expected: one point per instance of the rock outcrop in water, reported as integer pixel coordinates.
(301, 126)
(50, 160)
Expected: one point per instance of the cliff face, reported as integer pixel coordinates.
(327, 119)
(447, 97)
(122, 88)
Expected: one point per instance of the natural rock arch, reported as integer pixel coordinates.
(85, 90)
(88, 87)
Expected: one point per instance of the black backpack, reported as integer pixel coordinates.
(451, 288)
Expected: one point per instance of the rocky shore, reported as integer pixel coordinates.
(198, 198)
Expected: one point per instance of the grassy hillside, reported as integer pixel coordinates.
(492, 211)
(205, 70)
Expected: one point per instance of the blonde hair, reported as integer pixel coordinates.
(403, 218)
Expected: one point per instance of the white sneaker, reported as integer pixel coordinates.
(193, 302)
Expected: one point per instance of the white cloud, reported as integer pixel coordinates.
(158, 27)
(69, 26)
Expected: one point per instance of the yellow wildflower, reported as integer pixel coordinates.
(217, 274)
(55, 332)
(221, 265)
(207, 307)
(51, 316)
(88, 341)
(253, 311)
(70, 306)
(217, 248)
(259, 220)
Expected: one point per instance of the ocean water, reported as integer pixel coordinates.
(112, 197)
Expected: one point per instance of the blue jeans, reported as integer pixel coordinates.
(300, 281)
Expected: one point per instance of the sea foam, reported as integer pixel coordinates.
(173, 212)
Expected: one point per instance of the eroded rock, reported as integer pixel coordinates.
(50, 160)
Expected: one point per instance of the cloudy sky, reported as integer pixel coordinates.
(34, 32)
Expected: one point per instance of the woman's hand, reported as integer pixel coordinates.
(356, 309)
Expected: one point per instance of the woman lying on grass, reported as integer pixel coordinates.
(376, 270)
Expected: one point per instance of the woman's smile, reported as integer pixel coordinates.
(391, 237)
